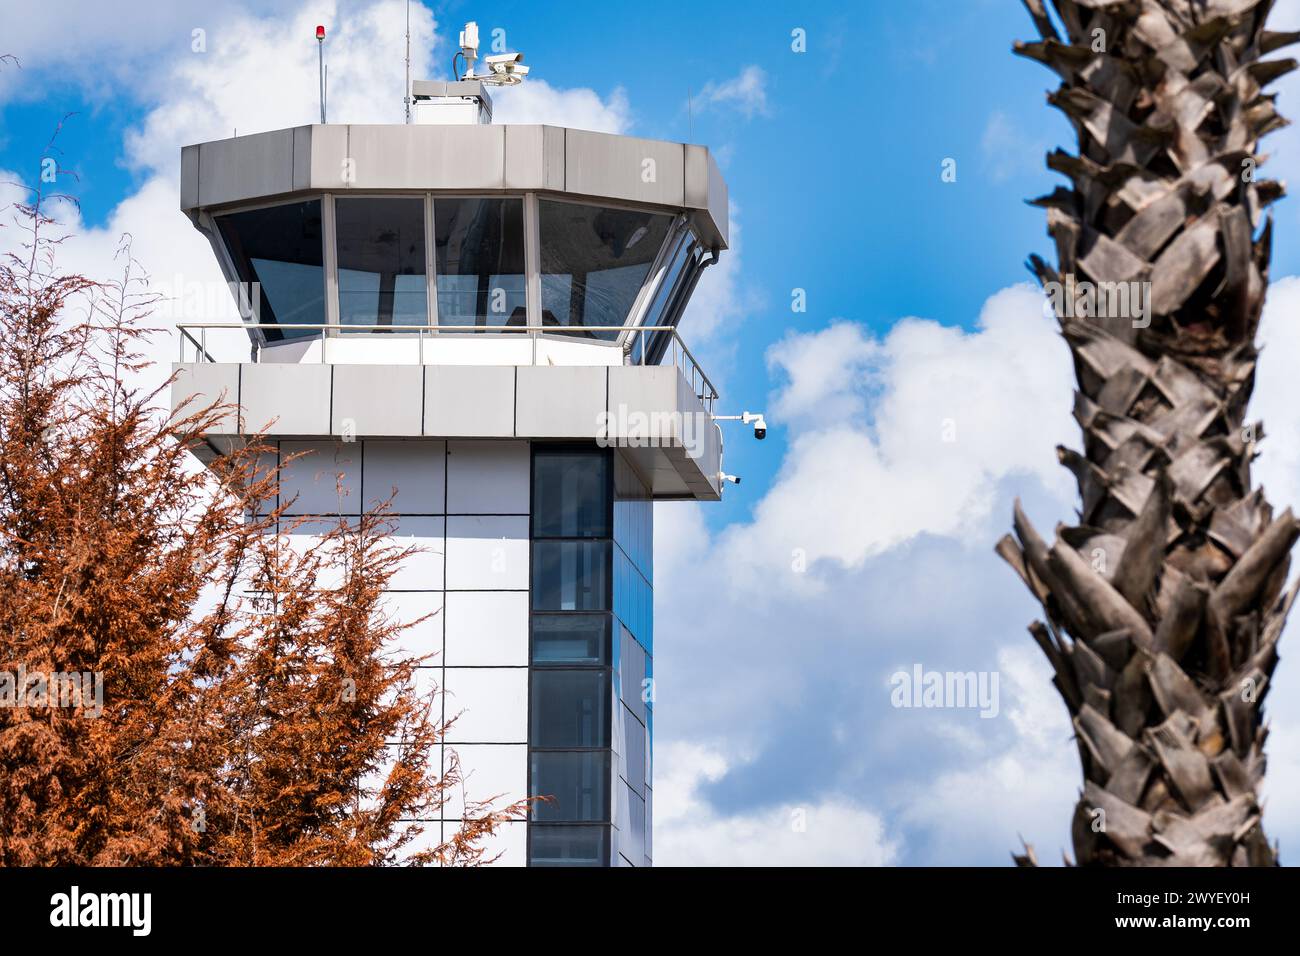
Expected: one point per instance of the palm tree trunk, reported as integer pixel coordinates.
(1164, 604)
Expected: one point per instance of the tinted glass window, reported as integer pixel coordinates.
(681, 260)
(571, 638)
(567, 846)
(480, 261)
(594, 261)
(280, 247)
(577, 782)
(571, 575)
(381, 261)
(571, 495)
(570, 708)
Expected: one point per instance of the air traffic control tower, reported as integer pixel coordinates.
(485, 319)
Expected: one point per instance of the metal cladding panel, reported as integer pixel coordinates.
(469, 401)
(642, 403)
(559, 401)
(377, 400)
(701, 442)
(449, 88)
(427, 157)
(659, 472)
(624, 167)
(706, 190)
(207, 383)
(710, 459)
(696, 177)
(265, 167)
(719, 204)
(648, 412)
(189, 177)
(302, 136)
(554, 150)
(326, 160)
(246, 167)
(286, 399)
(534, 157)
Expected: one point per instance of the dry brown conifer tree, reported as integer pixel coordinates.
(250, 695)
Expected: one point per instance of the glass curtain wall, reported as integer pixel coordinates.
(594, 262)
(570, 695)
(634, 624)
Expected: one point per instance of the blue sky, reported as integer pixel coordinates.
(859, 544)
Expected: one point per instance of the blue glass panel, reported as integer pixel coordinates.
(577, 783)
(571, 639)
(571, 494)
(570, 708)
(571, 575)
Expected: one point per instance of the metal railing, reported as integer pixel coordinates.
(681, 356)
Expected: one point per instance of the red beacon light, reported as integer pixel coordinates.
(320, 33)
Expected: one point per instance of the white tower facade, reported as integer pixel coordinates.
(482, 321)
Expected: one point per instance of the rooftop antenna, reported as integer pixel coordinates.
(406, 100)
(320, 56)
(469, 49)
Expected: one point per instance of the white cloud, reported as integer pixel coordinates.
(261, 74)
(953, 413)
(746, 93)
(819, 367)
(105, 50)
(1277, 399)
(1276, 403)
(831, 832)
(536, 101)
(1024, 790)
(791, 688)
(898, 525)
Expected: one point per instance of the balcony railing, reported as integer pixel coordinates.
(196, 333)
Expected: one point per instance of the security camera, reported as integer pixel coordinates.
(507, 64)
(723, 476)
(506, 69)
(749, 418)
